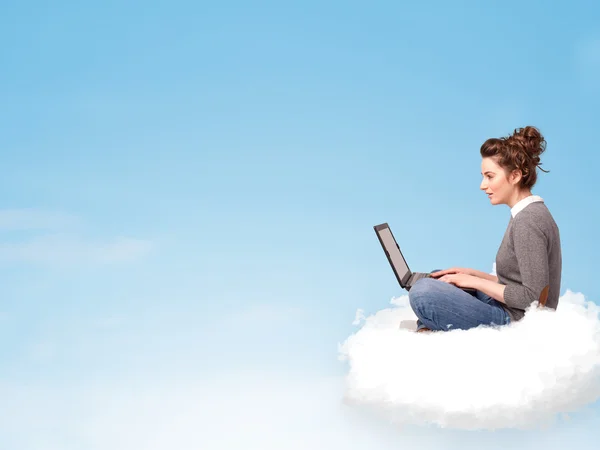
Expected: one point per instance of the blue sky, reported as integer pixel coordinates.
(189, 189)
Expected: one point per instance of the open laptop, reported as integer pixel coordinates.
(405, 277)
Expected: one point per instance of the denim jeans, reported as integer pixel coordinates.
(441, 306)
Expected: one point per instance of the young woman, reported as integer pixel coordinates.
(529, 258)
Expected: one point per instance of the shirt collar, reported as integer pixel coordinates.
(516, 209)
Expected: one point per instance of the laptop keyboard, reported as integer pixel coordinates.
(418, 276)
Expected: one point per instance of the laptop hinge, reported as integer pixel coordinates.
(407, 278)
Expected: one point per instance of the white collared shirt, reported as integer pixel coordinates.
(523, 203)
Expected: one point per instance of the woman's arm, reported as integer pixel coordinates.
(466, 280)
(485, 276)
(490, 287)
(530, 246)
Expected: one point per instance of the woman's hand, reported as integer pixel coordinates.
(461, 280)
(451, 271)
(459, 270)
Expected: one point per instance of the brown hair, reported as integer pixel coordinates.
(519, 151)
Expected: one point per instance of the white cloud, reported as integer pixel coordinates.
(521, 376)
(189, 409)
(35, 219)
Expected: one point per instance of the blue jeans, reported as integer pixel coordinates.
(441, 306)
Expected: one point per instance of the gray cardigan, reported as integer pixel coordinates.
(528, 259)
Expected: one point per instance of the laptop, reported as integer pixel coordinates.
(404, 275)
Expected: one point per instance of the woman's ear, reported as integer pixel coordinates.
(515, 176)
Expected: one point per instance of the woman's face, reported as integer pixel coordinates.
(495, 183)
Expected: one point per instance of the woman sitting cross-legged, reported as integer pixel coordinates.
(528, 260)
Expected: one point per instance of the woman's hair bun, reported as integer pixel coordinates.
(530, 140)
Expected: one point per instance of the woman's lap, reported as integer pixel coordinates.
(443, 306)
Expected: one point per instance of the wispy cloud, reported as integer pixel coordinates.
(110, 322)
(64, 249)
(42, 351)
(262, 314)
(35, 219)
(232, 411)
(228, 411)
(58, 238)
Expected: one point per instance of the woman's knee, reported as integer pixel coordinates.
(420, 295)
(424, 285)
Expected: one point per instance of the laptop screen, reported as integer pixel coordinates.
(395, 256)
